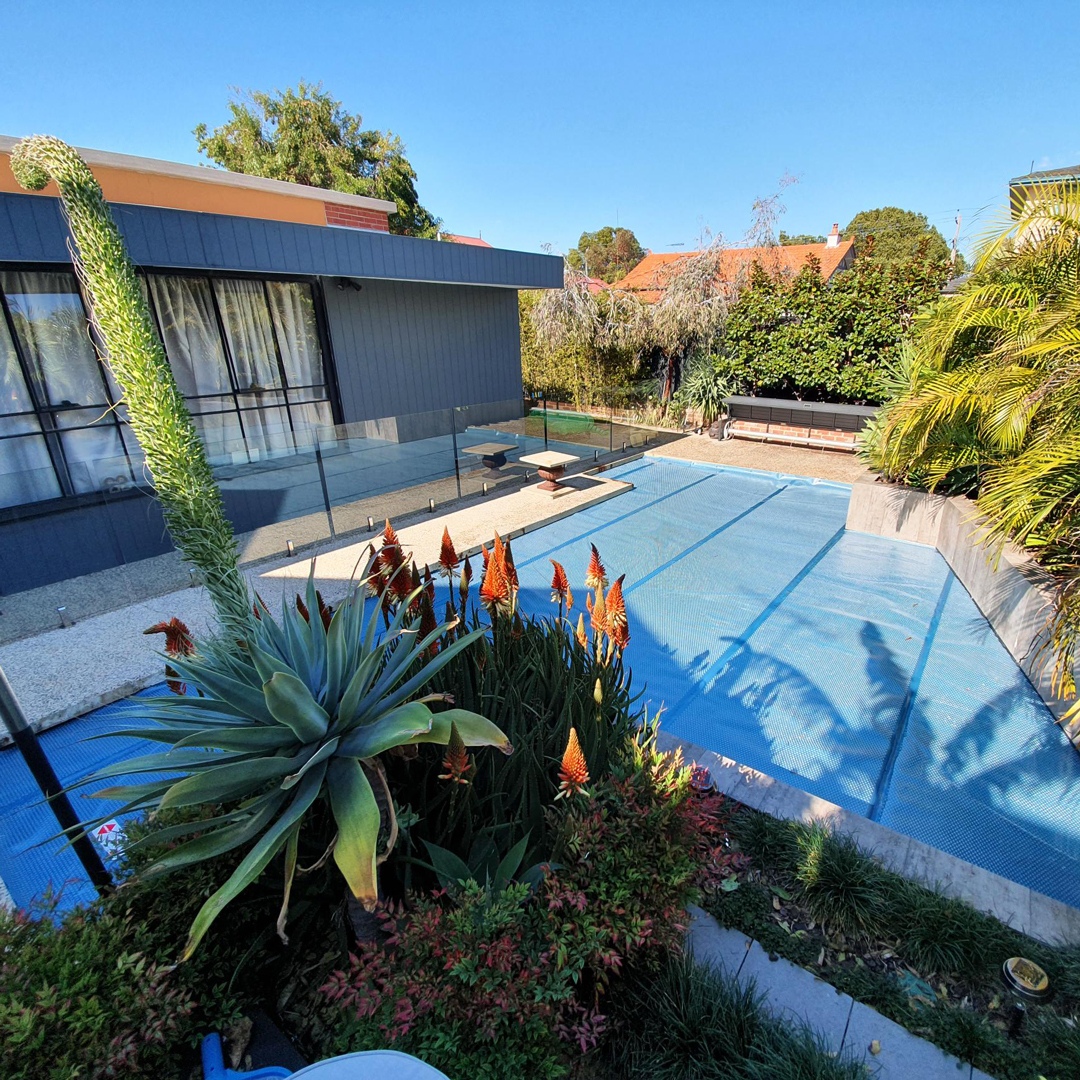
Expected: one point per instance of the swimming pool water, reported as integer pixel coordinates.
(855, 668)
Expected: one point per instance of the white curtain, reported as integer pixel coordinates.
(48, 314)
(293, 310)
(26, 473)
(185, 311)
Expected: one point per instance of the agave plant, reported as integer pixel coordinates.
(296, 714)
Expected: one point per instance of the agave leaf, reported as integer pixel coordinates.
(290, 703)
(298, 639)
(474, 729)
(292, 847)
(357, 815)
(397, 727)
(171, 761)
(215, 842)
(248, 740)
(166, 733)
(358, 688)
(137, 793)
(228, 782)
(244, 699)
(267, 664)
(185, 828)
(317, 636)
(257, 859)
(268, 634)
(510, 864)
(450, 869)
(422, 677)
(325, 751)
(335, 655)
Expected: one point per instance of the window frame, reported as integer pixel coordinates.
(44, 413)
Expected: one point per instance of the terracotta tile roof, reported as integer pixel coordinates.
(472, 241)
(647, 278)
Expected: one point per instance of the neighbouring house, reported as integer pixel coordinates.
(469, 241)
(647, 279)
(284, 309)
(1024, 190)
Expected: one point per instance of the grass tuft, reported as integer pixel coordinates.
(841, 886)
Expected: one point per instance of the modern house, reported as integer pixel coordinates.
(284, 310)
(647, 279)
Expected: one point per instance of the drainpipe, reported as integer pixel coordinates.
(25, 738)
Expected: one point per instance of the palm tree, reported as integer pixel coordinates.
(993, 396)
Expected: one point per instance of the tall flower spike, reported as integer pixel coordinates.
(596, 576)
(617, 625)
(574, 771)
(582, 637)
(598, 615)
(463, 584)
(428, 622)
(495, 589)
(509, 568)
(457, 763)
(448, 557)
(560, 587)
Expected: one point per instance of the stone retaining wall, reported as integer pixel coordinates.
(1015, 595)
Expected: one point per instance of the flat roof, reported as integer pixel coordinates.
(206, 174)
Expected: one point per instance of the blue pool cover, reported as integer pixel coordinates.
(855, 668)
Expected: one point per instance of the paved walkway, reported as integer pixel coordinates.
(846, 1026)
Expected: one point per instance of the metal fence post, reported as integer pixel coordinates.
(453, 438)
(545, 422)
(26, 740)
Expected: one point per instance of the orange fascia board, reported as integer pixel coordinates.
(148, 182)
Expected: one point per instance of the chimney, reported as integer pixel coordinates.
(833, 239)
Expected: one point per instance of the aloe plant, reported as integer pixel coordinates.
(190, 500)
(298, 714)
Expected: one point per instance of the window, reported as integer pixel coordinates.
(246, 355)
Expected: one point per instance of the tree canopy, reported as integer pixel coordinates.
(897, 235)
(306, 136)
(608, 253)
(801, 238)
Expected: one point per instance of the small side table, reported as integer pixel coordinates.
(491, 454)
(550, 465)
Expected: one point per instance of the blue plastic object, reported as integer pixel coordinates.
(213, 1063)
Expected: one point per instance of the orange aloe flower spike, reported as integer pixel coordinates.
(509, 568)
(448, 557)
(178, 642)
(596, 576)
(457, 764)
(560, 586)
(495, 589)
(463, 583)
(617, 625)
(574, 771)
(582, 637)
(598, 614)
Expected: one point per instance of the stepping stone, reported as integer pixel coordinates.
(712, 944)
(901, 1055)
(794, 994)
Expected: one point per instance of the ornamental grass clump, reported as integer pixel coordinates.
(175, 458)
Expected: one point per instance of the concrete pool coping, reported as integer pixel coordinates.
(105, 657)
(1024, 909)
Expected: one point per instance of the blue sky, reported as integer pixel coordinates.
(533, 121)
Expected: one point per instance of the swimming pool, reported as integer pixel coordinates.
(852, 667)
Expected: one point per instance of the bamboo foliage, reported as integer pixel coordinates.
(177, 463)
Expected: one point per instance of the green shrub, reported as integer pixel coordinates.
(842, 887)
(689, 1022)
(78, 999)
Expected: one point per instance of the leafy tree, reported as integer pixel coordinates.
(994, 393)
(897, 235)
(805, 338)
(801, 238)
(306, 136)
(608, 253)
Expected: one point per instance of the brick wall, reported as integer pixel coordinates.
(354, 217)
(842, 440)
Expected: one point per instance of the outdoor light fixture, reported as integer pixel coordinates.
(431, 505)
(1025, 979)
(193, 578)
(485, 487)
(370, 522)
(596, 455)
(65, 619)
(348, 283)
(624, 446)
(289, 547)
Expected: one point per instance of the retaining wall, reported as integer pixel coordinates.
(1014, 593)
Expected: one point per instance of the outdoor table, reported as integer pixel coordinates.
(550, 465)
(371, 1065)
(492, 454)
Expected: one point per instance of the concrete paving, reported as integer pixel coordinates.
(842, 466)
(65, 673)
(846, 1027)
